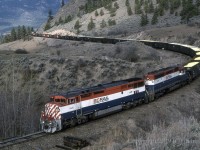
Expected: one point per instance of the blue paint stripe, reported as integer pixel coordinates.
(167, 83)
(102, 106)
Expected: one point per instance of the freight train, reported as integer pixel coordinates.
(81, 105)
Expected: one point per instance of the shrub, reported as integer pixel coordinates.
(91, 24)
(101, 12)
(21, 51)
(103, 24)
(68, 19)
(111, 22)
(116, 5)
(96, 13)
(113, 12)
(129, 10)
(58, 52)
(77, 25)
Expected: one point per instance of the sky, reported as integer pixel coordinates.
(25, 12)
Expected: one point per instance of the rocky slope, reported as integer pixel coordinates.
(125, 24)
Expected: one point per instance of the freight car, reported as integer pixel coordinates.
(79, 106)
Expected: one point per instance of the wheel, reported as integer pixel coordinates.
(73, 122)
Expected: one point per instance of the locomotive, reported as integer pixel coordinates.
(78, 106)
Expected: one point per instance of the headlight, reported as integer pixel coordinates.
(42, 122)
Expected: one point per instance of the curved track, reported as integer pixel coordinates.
(192, 51)
(17, 140)
(193, 65)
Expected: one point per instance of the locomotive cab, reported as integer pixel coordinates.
(51, 117)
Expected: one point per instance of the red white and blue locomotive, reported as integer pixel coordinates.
(78, 106)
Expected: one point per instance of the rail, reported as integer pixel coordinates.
(17, 140)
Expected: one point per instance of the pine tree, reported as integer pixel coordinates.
(172, 8)
(68, 19)
(62, 3)
(183, 3)
(189, 10)
(146, 7)
(60, 20)
(55, 24)
(155, 17)
(127, 3)
(129, 10)
(198, 3)
(96, 13)
(116, 5)
(151, 8)
(13, 35)
(161, 10)
(138, 9)
(65, 20)
(23, 32)
(111, 22)
(79, 14)
(28, 30)
(47, 26)
(50, 17)
(101, 12)
(113, 12)
(147, 20)
(77, 25)
(103, 24)
(165, 4)
(144, 19)
(136, 1)
(19, 33)
(91, 24)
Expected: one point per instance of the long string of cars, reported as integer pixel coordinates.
(81, 105)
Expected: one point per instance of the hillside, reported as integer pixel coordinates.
(30, 71)
(121, 18)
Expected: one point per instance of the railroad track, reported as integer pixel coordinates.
(17, 140)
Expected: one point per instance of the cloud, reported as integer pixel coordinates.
(29, 18)
(4, 23)
(25, 12)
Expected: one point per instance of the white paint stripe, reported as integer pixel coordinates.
(111, 97)
(162, 79)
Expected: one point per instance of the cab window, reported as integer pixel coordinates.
(71, 101)
(62, 100)
(57, 100)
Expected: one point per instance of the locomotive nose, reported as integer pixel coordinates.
(51, 118)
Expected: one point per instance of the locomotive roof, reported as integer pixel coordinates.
(98, 87)
(161, 70)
